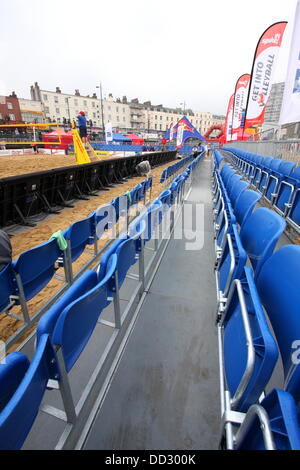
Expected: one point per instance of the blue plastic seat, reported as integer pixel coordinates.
(249, 348)
(293, 214)
(26, 388)
(11, 375)
(237, 190)
(36, 267)
(260, 234)
(80, 234)
(276, 177)
(231, 263)
(286, 190)
(278, 287)
(76, 323)
(85, 283)
(281, 413)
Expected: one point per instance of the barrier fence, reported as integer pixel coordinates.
(25, 196)
(286, 150)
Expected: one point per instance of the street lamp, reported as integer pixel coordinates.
(183, 104)
(101, 100)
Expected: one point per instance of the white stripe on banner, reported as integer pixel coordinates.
(290, 109)
(179, 139)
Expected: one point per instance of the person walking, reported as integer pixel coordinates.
(82, 126)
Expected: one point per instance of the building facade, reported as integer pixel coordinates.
(125, 115)
(273, 107)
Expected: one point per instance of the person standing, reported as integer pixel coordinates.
(82, 126)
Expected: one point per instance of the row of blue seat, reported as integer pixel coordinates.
(277, 180)
(24, 278)
(173, 169)
(63, 332)
(258, 299)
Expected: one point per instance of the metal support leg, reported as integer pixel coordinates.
(117, 307)
(65, 390)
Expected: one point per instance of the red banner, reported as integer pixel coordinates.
(262, 73)
(239, 106)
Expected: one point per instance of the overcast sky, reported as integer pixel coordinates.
(160, 50)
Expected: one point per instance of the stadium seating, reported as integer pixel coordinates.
(64, 330)
(257, 307)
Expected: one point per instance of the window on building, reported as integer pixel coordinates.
(160, 126)
(56, 99)
(85, 103)
(10, 106)
(66, 100)
(1, 116)
(109, 108)
(47, 109)
(124, 119)
(167, 118)
(117, 109)
(155, 116)
(94, 115)
(155, 126)
(118, 119)
(93, 104)
(76, 103)
(57, 110)
(123, 110)
(45, 97)
(12, 117)
(160, 117)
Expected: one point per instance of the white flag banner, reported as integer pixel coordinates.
(180, 131)
(108, 132)
(290, 108)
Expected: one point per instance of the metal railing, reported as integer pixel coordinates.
(285, 149)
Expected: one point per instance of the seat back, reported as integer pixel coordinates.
(286, 168)
(36, 267)
(77, 321)
(17, 417)
(237, 259)
(106, 217)
(231, 182)
(236, 190)
(245, 204)
(278, 287)
(126, 253)
(255, 355)
(294, 213)
(102, 268)
(80, 234)
(85, 283)
(260, 234)
(12, 372)
(282, 414)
